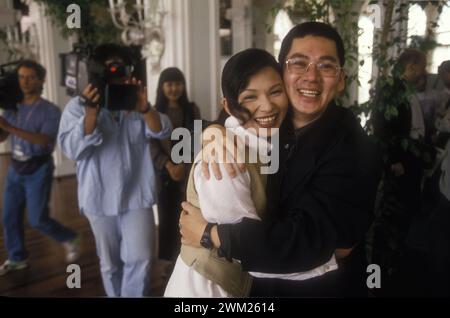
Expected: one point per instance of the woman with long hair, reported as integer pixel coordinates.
(172, 100)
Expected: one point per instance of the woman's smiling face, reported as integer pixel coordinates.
(265, 99)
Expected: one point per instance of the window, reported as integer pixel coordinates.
(225, 32)
(442, 51)
(417, 22)
(365, 46)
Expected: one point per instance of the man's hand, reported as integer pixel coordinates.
(34, 138)
(220, 149)
(176, 171)
(398, 169)
(151, 116)
(192, 225)
(142, 104)
(91, 97)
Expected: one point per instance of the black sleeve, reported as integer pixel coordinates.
(333, 210)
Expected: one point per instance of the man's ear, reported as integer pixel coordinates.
(341, 84)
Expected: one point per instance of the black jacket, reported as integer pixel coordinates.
(327, 189)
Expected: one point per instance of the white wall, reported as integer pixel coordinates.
(5, 19)
(51, 43)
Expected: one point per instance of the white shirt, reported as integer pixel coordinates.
(417, 122)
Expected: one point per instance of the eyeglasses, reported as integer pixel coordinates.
(300, 66)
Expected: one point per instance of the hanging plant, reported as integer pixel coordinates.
(302, 11)
(96, 24)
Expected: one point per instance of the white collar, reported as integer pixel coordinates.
(256, 143)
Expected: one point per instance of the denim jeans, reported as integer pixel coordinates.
(125, 245)
(32, 191)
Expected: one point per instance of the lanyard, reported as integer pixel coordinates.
(27, 119)
(33, 107)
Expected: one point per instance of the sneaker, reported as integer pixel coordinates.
(72, 249)
(9, 266)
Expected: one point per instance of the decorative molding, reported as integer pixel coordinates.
(214, 56)
(242, 27)
(142, 26)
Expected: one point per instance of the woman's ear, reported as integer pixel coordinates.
(225, 106)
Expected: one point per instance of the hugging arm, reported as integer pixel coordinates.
(333, 211)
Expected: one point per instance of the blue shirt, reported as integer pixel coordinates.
(114, 167)
(41, 117)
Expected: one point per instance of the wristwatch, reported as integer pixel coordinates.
(206, 240)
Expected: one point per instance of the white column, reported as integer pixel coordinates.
(50, 45)
(214, 50)
(192, 44)
(241, 24)
(177, 50)
(7, 17)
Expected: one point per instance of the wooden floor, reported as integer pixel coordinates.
(46, 276)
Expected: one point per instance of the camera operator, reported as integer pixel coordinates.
(116, 179)
(33, 128)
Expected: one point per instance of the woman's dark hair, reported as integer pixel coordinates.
(315, 29)
(38, 68)
(173, 74)
(236, 75)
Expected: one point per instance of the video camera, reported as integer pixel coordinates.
(10, 93)
(79, 68)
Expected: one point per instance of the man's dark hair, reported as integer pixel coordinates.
(315, 29)
(444, 67)
(411, 56)
(408, 56)
(104, 52)
(236, 75)
(38, 68)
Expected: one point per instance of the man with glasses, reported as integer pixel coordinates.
(321, 200)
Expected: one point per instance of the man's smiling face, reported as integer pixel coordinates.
(311, 92)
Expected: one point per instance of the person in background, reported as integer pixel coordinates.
(435, 104)
(438, 230)
(172, 100)
(33, 128)
(443, 111)
(406, 154)
(116, 179)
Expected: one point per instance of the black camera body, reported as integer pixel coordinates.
(10, 92)
(79, 68)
